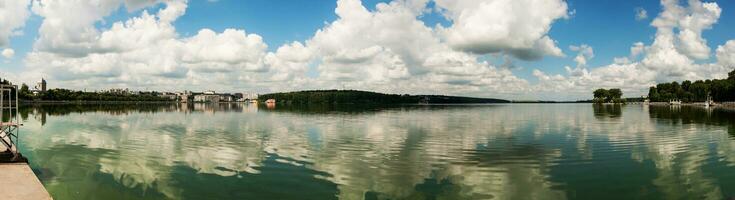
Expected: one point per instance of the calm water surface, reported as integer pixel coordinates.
(527, 151)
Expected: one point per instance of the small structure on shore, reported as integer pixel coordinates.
(9, 125)
(270, 103)
(17, 180)
(709, 102)
(675, 102)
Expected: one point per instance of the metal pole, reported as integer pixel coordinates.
(2, 104)
(17, 120)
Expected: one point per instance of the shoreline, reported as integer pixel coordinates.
(723, 105)
(92, 102)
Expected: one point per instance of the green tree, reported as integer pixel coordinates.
(614, 95)
(685, 85)
(24, 88)
(653, 94)
(600, 93)
(24, 93)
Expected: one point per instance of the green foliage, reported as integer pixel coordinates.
(24, 93)
(600, 93)
(608, 96)
(364, 97)
(719, 89)
(70, 95)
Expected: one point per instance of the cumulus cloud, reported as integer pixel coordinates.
(386, 49)
(726, 54)
(584, 53)
(143, 52)
(8, 53)
(637, 49)
(517, 27)
(389, 49)
(690, 22)
(640, 14)
(672, 53)
(13, 15)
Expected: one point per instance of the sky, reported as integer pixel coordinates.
(512, 49)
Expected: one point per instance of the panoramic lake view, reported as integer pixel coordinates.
(484, 151)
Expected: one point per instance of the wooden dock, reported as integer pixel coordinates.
(18, 182)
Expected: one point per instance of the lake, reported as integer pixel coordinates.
(503, 151)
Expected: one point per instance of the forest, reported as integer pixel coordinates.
(365, 97)
(687, 91)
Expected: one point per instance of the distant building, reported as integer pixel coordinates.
(119, 91)
(227, 98)
(249, 96)
(237, 96)
(184, 96)
(209, 92)
(167, 95)
(41, 86)
(210, 98)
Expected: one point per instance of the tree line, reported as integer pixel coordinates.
(608, 95)
(365, 97)
(25, 94)
(72, 95)
(697, 91)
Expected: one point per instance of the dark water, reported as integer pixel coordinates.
(527, 151)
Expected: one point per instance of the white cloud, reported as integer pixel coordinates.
(689, 22)
(68, 25)
(8, 53)
(672, 54)
(143, 52)
(517, 27)
(13, 15)
(289, 62)
(388, 49)
(637, 49)
(584, 53)
(640, 14)
(726, 54)
(232, 50)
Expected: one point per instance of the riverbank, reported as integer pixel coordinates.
(722, 105)
(93, 102)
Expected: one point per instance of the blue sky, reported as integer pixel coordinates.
(610, 27)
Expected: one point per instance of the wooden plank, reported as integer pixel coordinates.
(18, 182)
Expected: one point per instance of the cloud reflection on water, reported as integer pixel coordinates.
(527, 151)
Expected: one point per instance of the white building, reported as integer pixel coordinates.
(227, 98)
(210, 98)
(249, 96)
(167, 95)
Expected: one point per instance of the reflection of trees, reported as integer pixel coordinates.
(692, 115)
(605, 111)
